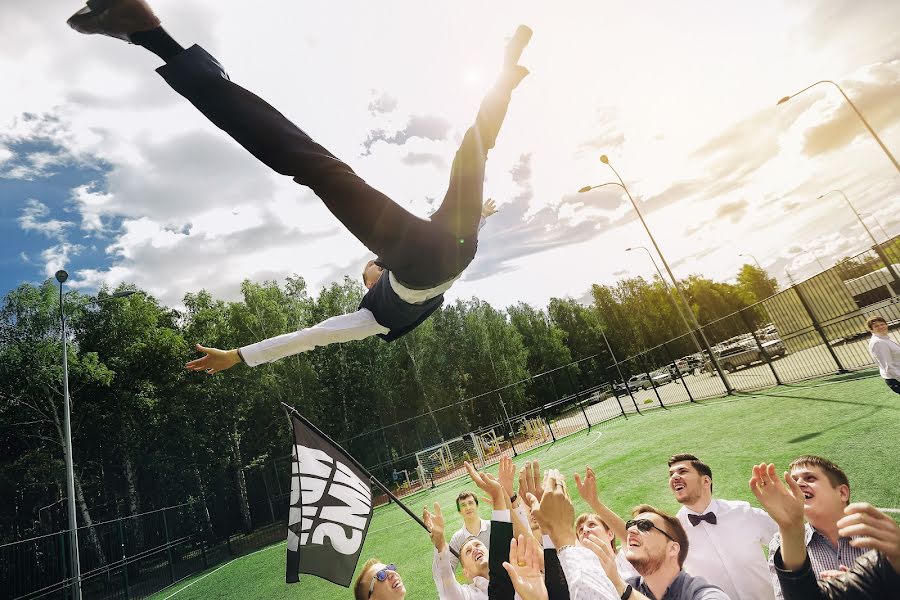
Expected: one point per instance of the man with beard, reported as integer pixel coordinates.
(727, 536)
(826, 493)
(378, 581)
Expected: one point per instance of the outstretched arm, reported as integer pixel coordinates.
(587, 489)
(344, 328)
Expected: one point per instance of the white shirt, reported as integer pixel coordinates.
(886, 353)
(585, 576)
(343, 328)
(730, 554)
(448, 587)
(457, 539)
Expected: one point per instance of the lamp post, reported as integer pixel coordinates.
(715, 361)
(669, 293)
(758, 266)
(61, 277)
(858, 114)
(875, 246)
(881, 227)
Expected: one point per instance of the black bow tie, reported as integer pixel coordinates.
(708, 517)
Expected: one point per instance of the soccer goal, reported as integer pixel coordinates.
(445, 461)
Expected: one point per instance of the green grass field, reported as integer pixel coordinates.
(850, 419)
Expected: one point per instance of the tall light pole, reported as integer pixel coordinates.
(875, 246)
(881, 227)
(715, 361)
(758, 266)
(858, 114)
(61, 277)
(669, 293)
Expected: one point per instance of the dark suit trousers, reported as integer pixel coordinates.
(421, 252)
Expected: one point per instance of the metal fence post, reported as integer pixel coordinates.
(678, 372)
(818, 328)
(655, 391)
(581, 406)
(168, 547)
(268, 494)
(762, 350)
(63, 562)
(124, 562)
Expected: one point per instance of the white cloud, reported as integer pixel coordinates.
(33, 218)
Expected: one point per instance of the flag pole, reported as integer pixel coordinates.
(371, 477)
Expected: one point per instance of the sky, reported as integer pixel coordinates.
(108, 173)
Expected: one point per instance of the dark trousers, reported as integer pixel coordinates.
(422, 253)
(893, 384)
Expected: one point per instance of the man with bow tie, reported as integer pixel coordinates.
(726, 537)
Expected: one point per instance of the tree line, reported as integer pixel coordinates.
(147, 433)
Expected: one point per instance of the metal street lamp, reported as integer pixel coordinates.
(758, 266)
(858, 114)
(875, 246)
(61, 277)
(669, 293)
(605, 160)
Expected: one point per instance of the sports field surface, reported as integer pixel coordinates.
(853, 419)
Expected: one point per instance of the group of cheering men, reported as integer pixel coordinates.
(534, 548)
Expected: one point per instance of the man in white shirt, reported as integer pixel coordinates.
(378, 581)
(423, 257)
(726, 537)
(473, 557)
(473, 525)
(885, 351)
(826, 494)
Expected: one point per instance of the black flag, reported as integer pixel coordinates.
(331, 508)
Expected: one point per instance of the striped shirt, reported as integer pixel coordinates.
(822, 555)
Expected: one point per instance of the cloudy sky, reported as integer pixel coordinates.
(108, 173)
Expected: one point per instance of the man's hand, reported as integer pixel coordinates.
(215, 360)
(530, 480)
(524, 568)
(554, 511)
(488, 208)
(506, 475)
(832, 573)
(435, 524)
(587, 488)
(784, 504)
(489, 484)
(607, 558)
(875, 529)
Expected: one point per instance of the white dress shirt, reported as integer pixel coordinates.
(462, 534)
(730, 554)
(448, 587)
(584, 575)
(343, 328)
(886, 353)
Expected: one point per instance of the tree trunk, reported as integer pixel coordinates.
(203, 509)
(421, 387)
(79, 492)
(134, 500)
(240, 483)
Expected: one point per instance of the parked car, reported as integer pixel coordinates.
(639, 382)
(662, 377)
(741, 355)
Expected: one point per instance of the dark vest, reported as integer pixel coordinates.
(392, 312)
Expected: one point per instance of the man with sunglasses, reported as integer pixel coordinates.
(727, 536)
(378, 581)
(656, 546)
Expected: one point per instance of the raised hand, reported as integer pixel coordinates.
(875, 529)
(215, 360)
(435, 524)
(489, 484)
(604, 552)
(587, 488)
(530, 480)
(524, 568)
(488, 208)
(784, 504)
(555, 512)
(506, 475)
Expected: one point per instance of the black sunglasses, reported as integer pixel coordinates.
(646, 525)
(381, 576)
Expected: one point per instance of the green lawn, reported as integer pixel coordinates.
(852, 420)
